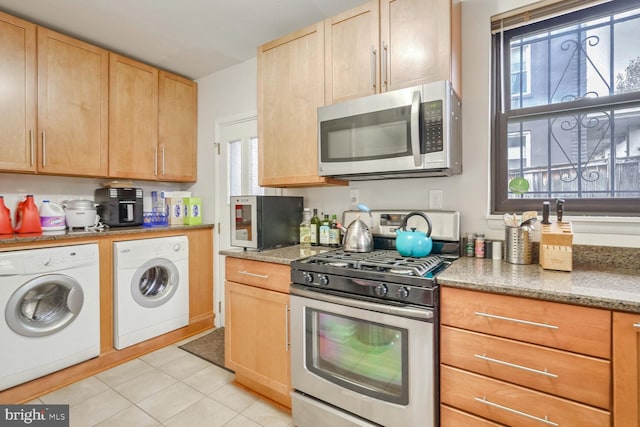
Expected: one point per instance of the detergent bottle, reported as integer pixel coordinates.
(5, 218)
(52, 216)
(27, 217)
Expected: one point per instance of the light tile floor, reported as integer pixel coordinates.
(169, 387)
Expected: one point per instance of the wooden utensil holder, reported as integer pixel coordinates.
(556, 246)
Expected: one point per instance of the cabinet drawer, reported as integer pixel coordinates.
(568, 327)
(451, 417)
(514, 405)
(541, 368)
(266, 275)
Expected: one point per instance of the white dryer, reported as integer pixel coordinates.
(151, 288)
(50, 301)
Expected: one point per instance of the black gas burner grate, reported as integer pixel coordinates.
(385, 261)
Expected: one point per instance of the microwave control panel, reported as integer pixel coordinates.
(432, 127)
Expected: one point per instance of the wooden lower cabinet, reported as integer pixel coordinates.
(626, 369)
(257, 327)
(201, 316)
(522, 362)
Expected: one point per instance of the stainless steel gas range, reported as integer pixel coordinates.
(364, 329)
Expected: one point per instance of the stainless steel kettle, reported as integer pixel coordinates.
(357, 237)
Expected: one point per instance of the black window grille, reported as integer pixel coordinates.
(567, 112)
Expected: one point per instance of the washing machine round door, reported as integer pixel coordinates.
(155, 282)
(44, 305)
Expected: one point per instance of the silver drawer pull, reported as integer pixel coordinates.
(260, 276)
(636, 325)
(513, 411)
(511, 319)
(513, 365)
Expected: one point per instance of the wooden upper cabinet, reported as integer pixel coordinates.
(133, 119)
(17, 94)
(352, 53)
(72, 106)
(384, 45)
(177, 132)
(290, 89)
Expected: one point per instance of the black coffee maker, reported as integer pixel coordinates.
(120, 207)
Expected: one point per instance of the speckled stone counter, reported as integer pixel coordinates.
(588, 284)
(277, 256)
(48, 236)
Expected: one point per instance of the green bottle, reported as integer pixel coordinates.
(315, 229)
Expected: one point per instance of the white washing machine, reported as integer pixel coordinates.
(151, 288)
(50, 301)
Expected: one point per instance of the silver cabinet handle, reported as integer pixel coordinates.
(31, 146)
(385, 54)
(155, 162)
(544, 420)
(511, 319)
(373, 68)
(261, 276)
(162, 159)
(513, 365)
(636, 325)
(286, 328)
(44, 149)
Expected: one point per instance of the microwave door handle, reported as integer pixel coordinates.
(415, 128)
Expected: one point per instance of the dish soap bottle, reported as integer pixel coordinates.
(305, 228)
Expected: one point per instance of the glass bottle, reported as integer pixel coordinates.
(305, 228)
(325, 225)
(315, 229)
(334, 232)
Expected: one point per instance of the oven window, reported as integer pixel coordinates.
(365, 357)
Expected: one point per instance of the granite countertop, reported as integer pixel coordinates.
(66, 234)
(589, 285)
(282, 255)
(611, 286)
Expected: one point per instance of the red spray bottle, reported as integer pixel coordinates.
(27, 217)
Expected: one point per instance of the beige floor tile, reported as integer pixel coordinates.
(195, 337)
(209, 379)
(184, 366)
(241, 421)
(130, 417)
(170, 401)
(267, 415)
(204, 413)
(163, 355)
(145, 385)
(123, 373)
(233, 397)
(97, 408)
(76, 392)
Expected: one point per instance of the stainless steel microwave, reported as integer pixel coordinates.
(261, 222)
(412, 132)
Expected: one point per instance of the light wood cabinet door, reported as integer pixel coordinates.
(72, 106)
(290, 89)
(177, 132)
(133, 119)
(17, 94)
(256, 339)
(626, 369)
(352, 53)
(419, 42)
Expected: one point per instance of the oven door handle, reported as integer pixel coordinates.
(421, 313)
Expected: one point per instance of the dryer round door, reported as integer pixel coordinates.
(155, 282)
(44, 305)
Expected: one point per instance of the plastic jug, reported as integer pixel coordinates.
(27, 217)
(52, 216)
(5, 218)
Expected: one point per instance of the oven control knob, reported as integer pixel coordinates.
(308, 278)
(381, 290)
(324, 280)
(403, 292)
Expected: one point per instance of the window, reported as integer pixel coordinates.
(243, 167)
(567, 109)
